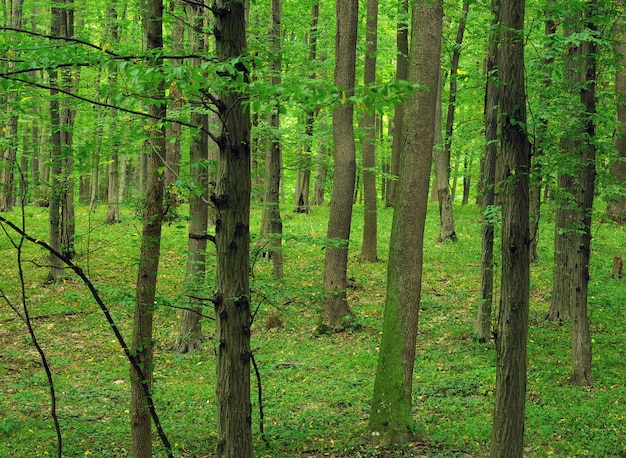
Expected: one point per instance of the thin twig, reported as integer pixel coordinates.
(131, 358)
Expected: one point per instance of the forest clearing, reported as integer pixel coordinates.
(316, 388)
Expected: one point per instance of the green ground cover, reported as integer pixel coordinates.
(316, 388)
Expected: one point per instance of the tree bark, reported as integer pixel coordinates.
(232, 237)
(507, 438)
(304, 170)
(483, 318)
(540, 143)
(271, 222)
(446, 214)
(335, 305)
(616, 206)
(142, 341)
(190, 337)
(369, 251)
(113, 166)
(581, 338)
(390, 414)
(402, 65)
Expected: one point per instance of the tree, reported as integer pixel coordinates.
(190, 336)
(232, 238)
(153, 212)
(8, 154)
(616, 207)
(483, 318)
(113, 188)
(507, 437)
(581, 338)
(390, 412)
(272, 225)
(442, 157)
(402, 65)
(368, 124)
(336, 259)
(304, 171)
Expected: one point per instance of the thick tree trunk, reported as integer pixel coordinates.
(369, 251)
(339, 222)
(565, 227)
(507, 438)
(483, 318)
(402, 65)
(142, 341)
(390, 414)
(232, 236)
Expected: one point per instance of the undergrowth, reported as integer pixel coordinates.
(317, 387)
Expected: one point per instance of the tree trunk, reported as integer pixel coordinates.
(507, 438)
(336, 260)
(321, 170)
(483, 318)
(616, 206)
(271, 224)
(564, 248)
(190, 336)
(581, 338)
(369, 251)
(536, 169)
(113, 165)
(446, 214)
(8, 155)
(174, 131)
(304, 169)
(142, 341)
(402, 65)
(232, 236)
(390, 413)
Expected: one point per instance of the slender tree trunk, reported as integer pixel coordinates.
(616, 206)
(190, 336)
(271, 224)
(581, 338)
(321, 170)
(8, 155)
(113, 165)
(369, 251)
(174, 131)
(336, 260)
(540, 142)
(483, 319)
(446, 214)
(232, 237)
(507, 438)
(402, 65)
(391, 413)
(142, 341)
(304, 170)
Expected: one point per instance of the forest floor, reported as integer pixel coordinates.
(316, 388)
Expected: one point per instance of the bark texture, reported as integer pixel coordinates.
(232, 236)
(390, 414)
(507, 438)
(369, 252)
(142, 341)
(339, 222)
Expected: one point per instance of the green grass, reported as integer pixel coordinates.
(316, 388)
